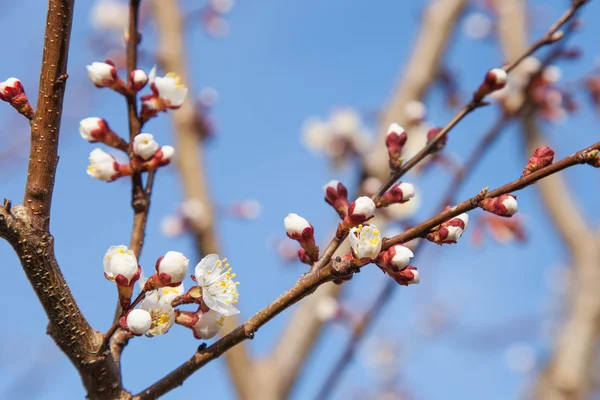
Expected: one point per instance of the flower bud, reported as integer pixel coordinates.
(102, 74)
(12, 91)
(172, 268)
(542, 157)
(450, 231)
(138, 321)
(298, 228)
(395, 140)
(360, 211)
(399, 193)
(431, 134)
(144, 146)
(504, 205)
(120, 266)
(407, 276)
(138, 79)
(207, 325)
(396, 258)
(365, 242)
(496, 78)
(336, 195)
(167, 153)
(103, 166)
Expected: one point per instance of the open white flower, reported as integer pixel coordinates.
(139, 321)
(119, 262)
(102, 166)
(145, 146)
(365, 241)
(219, 291)
(101, 74)
(169, 88)
(158, 304)
(208, 325)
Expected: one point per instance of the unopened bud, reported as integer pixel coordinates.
(138, 79)
(336, 195)
(137, 321)
(299, 229)
(399, 193)
(495, 79)
(360, 211)
(395, 141)
(407, 276)
(450, 231)
(396, 258)
(504, 205)
(431, 135)
(12, 91)
(542, 157)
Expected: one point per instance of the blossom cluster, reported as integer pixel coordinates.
(144, 152)
(214, 293)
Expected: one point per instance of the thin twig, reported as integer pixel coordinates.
(310, 281)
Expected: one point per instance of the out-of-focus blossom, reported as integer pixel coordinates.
(477, 25)
(110, 15)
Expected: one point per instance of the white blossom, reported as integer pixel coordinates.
(402, 256)
(110, 15)
(169, 88)
(158, 304)
(511, 205)
(174, 264)
(208, 325)
(139, 321)
(364, 206)
(365, 241)
(295, 224)
(167, 152)
(88, 126)
(102, 165)
(119, 260)
(145, 146)
(219, 291)
(101, 74)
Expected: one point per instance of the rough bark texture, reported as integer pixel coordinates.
(26, 227)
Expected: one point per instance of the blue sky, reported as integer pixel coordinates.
(281, 62)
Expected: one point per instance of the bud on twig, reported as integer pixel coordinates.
(359, 212)
(406, 276)
(137, 80)
(399, 193)
(542, 157)
(336, 195)
(395, 259)
(395, 140)
(439, 146)
(299, 229)
(136, 321)
(495, 79)
(97, 130)
(450, 231)
(104, 74)
(504, 205)
(12, 91)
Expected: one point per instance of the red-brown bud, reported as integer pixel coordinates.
(542, 157)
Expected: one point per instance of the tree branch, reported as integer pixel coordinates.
(422, 69)
(338, 268)
(295, 343)
(26, 227)
(568, 373)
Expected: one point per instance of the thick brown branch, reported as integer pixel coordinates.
(26, 227)
(309, 282)
(45, 128)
